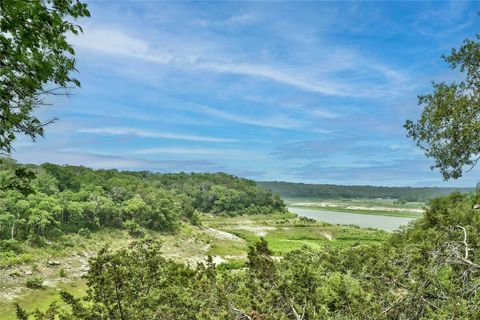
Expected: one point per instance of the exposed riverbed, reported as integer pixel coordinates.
(362, 220)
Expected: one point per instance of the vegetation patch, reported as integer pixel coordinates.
(35, 282)
(285, 233)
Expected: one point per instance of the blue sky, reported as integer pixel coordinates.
(294, 91)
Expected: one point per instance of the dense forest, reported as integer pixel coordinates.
(428, 270)
(47, 201)
(331, 191)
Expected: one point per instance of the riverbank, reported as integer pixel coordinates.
(380, 222)
(377, 207)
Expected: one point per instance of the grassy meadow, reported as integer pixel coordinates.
(288, 232)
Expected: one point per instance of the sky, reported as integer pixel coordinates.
(313, 92)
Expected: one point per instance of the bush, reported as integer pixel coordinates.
(232, 265)
(195, 219)
(9, 259)
(84, 232)
(307, 220)
(10, 245)
(62, 273)
(134, 229)
(36, 241)
(34, 282)
(15, 274)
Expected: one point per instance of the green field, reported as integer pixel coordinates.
(287, 232)
(42, 298)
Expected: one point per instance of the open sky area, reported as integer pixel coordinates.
(293, 91)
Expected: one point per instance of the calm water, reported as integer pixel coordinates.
(361, 220)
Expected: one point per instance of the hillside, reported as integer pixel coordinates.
(332, 191)
(428, 270)
(55, 219)
(42, 203)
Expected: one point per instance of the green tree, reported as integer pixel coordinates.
(35, 60)
(164, 211)
(137, 210)
(138, 283)
(449, 127)
(11, 208)
(14, 177)
(45, 183)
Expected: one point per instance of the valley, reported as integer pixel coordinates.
(225, 239)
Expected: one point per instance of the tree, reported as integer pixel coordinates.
(137, 210)
(449, 127)
(36, 60)
(139, 283)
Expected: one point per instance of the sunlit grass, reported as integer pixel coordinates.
(287, 233)
(42, 298)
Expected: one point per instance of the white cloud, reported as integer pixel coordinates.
(321, 113)
(279, 122)
(186, 151)
(152, 134)
(111, 41)
(319, 77)
(233, 21)
(202, 152)
(105, 161)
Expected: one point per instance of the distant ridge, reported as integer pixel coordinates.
(332, 191)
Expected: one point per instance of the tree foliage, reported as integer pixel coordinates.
(47, 201)
(449, 127)
(330, 191)
(35, 60)
(428, 270)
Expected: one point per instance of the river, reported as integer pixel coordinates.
(362, 220)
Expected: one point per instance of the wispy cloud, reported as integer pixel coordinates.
(383, 173)
(313, 77)
(349, 147)
(279, 122)
(111, 41)
(216, 153)
(322, 113)
(233, 21)
(152, 134)
(308, 90)
(103, 161)
(450, 16)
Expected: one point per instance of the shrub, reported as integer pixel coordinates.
(9, 259)
(62, 273)
(134, 229)
(36, 241)
(232, 265)
(307, 220)
(10, 245)
(84, 232)
(35, 282)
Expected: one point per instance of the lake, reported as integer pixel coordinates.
(361, 220)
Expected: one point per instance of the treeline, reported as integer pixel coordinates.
(332, 191)
(47, 201)
(429, 270)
